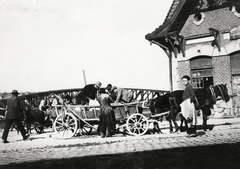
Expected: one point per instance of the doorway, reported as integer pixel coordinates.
(207, 81)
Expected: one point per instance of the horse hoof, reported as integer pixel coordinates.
(176, 130)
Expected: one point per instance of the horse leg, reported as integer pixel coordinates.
(168, 118)
(28, 125)
(176, 126)
(16, 129)
(185, 122)
(181, 125)
(12, 127)
(204, 122)
(171, 127)
(156, 127)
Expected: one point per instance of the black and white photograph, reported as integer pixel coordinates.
(110, 84)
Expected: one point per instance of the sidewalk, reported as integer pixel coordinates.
(49, 139)
(45, 146)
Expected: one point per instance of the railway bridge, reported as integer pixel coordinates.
(35, 97)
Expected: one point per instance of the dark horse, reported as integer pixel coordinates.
(32, 116)
(206, 97)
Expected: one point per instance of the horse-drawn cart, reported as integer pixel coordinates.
(134, 118)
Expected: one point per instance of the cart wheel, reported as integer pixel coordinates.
(65, 125)
(137, 124)
(86, 129)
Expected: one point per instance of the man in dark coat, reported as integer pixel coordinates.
(88, 92)
(13, 115)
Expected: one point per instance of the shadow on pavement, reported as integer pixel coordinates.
(207, 157)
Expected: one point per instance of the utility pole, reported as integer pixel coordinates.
(84, 77)
(169, 54)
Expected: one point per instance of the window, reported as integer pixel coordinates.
(197, 83)
(198, 18)
(202, 78)
(236, 84)
(236, 11)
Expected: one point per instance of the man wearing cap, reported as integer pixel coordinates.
(88, 92)
(13, 115)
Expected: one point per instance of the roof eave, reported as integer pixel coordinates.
(162, 30)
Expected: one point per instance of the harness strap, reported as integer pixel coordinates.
(213, 93)
(221, 92)
(197, 103)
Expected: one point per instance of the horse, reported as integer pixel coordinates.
(171, 101)
(32, 116)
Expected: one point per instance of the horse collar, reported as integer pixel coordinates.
(221, 92)
(213, 93)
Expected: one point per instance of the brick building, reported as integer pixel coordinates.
(202, 39)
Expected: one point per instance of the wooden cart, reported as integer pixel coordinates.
(134, 118)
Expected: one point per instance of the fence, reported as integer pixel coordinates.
(138, 94)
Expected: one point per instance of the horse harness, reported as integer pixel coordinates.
(221, 92)
(214, 98)
(213, 93)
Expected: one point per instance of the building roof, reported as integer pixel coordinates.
(180, 16)
(213, 19)
(173, 19)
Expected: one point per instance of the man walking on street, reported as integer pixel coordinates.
(13, 115)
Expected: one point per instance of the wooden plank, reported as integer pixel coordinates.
(160, 114)
(98, 106)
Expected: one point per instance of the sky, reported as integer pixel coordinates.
(47, 44)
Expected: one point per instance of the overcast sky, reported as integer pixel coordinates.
(46, 44)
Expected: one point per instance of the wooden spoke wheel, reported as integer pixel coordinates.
(65, 125)
(137, 124)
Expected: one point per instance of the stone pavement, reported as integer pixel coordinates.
(46, 146)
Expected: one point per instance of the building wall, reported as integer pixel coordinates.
(222, 71)
(183, 69)
(199, 43)
(221, 66)
(220, 61)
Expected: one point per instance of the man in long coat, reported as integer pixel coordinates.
(13, 115)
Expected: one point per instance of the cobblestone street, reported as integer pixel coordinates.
(46, 151)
